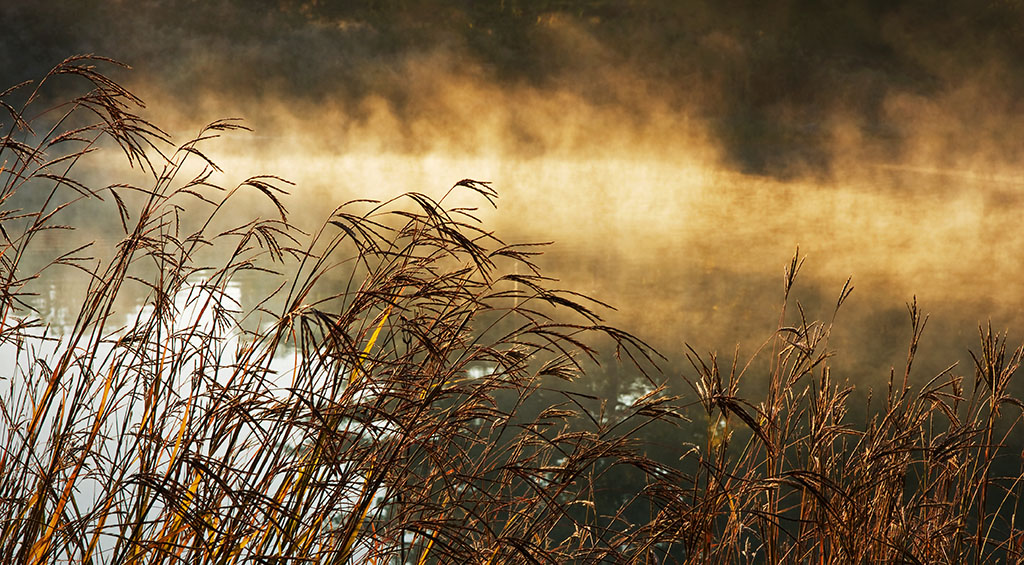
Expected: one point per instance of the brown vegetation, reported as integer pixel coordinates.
(372, 407)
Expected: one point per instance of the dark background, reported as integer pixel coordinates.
(766, 77)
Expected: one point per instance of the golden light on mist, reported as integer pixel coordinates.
(641, 200)
(653, 191)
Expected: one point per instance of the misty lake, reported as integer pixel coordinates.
(689, 253)
(382, 395)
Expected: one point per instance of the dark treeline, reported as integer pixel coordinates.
(766, 77)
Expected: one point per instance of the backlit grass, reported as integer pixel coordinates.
(372, 406)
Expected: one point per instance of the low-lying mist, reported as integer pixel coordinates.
(646, 213)
(675, 155)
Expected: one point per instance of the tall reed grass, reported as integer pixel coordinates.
(364, 411)
(934, 475)
(373, 406)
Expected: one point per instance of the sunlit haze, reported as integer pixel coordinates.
(676, 156)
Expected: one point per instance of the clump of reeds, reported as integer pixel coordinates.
(364, 411)
(933, 476)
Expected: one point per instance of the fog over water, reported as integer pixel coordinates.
(676, 153)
